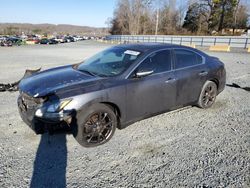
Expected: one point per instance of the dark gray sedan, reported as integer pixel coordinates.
(117, 87)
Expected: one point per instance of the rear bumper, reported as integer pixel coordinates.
(222, 81)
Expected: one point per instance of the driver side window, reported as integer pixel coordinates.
(157, 62)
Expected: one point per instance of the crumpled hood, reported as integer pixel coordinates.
(54, 80)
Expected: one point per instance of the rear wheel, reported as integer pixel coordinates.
(208, 95)
(95, 126)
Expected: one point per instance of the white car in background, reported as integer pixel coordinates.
(77, 38)
(59, 39)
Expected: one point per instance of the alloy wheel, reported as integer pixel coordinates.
(209, 95)
(98, 128)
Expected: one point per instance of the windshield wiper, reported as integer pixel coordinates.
(88, 72)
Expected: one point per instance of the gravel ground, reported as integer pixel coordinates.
(189, 147)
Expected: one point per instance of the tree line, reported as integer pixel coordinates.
(197, 17)
(49, 29)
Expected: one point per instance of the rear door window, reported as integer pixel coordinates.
(186, 58)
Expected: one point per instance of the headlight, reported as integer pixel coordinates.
(58, 106)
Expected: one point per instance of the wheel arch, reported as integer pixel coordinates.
(116, 109)
(216, 81)
(112, 105)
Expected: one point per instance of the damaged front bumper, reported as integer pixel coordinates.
(41, 122)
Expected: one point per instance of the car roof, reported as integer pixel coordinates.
(143, 47)
(148, 47)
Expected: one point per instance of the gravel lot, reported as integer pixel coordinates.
(189, 147)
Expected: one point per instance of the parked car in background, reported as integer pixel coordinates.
(32, 41)
(6, 42)
(48, 41)
(69, 39)
(15, 40)
(60, 39)
(77, 38)
(117, 87)
(10, 41)
(29, 37)
(86, 38)
(53, 41)
(44, 41)
(2, 38)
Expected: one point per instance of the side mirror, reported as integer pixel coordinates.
(143, 73)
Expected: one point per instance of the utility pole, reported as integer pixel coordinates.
(235, 16)
(157, 21)
(147, 4)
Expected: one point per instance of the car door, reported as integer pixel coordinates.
(154, 93)
(190, 73)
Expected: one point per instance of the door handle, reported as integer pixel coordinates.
(170, 80)
(203, 73)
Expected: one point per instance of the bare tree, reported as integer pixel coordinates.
(166, 16)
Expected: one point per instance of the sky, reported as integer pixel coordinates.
(93, 13)
(75, 12)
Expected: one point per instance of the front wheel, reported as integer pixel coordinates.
(208, 95)
(95, 125)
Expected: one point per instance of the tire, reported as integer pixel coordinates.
(95, 126)
(208, 95)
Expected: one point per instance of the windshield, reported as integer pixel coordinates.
(110, 62)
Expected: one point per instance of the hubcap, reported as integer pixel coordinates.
(98, 128)
(209, 96)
